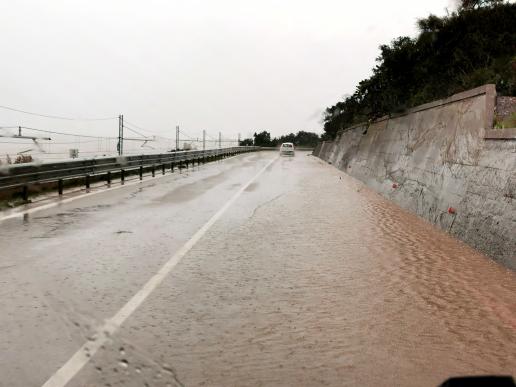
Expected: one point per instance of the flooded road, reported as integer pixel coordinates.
(306, 278)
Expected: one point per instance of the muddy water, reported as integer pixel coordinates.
(308, 279)
(443, 308)
(312, 279)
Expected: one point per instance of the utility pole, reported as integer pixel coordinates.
(20, 135)
(220, 140)
(177, 137)
(204, 140)
(120, 145)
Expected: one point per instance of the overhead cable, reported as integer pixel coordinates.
(56, 117)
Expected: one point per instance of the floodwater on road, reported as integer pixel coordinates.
(308, 278)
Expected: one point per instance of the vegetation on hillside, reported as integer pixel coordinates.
(468, 48)
(507, 122)
(301, 138)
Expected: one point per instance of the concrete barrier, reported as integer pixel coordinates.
(440, 156)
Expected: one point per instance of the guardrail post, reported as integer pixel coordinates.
(163, 168)
(108, 177)
(25, 193)
(141, 172)
(172, 167)
(122, 176)
(153, 170)
(60, 187)
(87, 178)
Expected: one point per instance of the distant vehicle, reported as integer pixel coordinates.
(287, 148)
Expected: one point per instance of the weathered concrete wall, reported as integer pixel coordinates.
(434, 157)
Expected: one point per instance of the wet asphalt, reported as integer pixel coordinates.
(308, 278)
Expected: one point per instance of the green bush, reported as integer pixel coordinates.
(301, 138)
(508, 122)
(467, 49)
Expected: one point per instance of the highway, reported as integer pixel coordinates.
(256, 270)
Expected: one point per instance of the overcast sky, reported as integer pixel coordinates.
(235, 66)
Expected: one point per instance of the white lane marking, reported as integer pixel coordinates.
(22, 213)
(64, 374)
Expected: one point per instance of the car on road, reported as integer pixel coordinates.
(287, 148)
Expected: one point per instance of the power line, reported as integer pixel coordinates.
(154, 136)
(14, 143)
(131, 127)
(68, 134)
(50, 143)
(135, 131)
(187, 135)
(137, 127)
(146, 138)
(56, 117)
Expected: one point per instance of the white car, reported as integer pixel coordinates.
(287, 148)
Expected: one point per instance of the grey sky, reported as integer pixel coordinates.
(234, 66)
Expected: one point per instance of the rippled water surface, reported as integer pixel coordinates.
(308, 279)
(326, 283)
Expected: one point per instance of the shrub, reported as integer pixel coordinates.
(466, 49)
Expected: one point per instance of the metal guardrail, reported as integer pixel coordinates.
(23, 176)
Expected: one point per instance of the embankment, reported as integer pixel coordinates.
(443, 161)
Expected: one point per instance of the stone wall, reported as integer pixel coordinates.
(436, 160)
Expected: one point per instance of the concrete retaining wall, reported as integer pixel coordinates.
(438, 161)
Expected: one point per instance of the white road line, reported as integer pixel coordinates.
(64, 374)
(22, 213)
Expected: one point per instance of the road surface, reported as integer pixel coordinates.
(257, 270)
